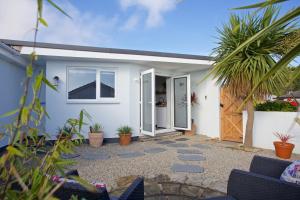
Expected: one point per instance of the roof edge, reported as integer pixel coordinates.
(104, 50)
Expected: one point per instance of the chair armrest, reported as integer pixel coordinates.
(135, 191)
(268, 166)
(72, 173)
(251, 186)
(67, 190)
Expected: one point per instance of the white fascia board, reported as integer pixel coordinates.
(112, 56)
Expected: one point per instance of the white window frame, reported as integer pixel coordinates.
(98, 82)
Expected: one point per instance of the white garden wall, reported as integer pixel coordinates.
(266, 123)
(206, 113)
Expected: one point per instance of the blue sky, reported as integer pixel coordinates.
(187, 26)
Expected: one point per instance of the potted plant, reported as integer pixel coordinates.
(96, 135)
(125, 135)
(64, 133)
(283, 149)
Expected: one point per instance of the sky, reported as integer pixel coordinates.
(179, 26)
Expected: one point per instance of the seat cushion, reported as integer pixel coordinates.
(292, 173)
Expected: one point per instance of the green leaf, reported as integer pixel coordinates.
(283, 20)
(38, 81)
(9, 113)
(43, 21)
(47, 82)
(283, 62)
(14, 151)
(58, 8)
(29, 71)
(40, 7)
(261, 4)
(24, 115)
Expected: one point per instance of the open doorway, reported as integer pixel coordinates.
(162, 103)
(165, 103)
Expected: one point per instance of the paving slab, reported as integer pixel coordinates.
(187, 168)
(182, 139)
(132, 154)
(96, 156)
(189, 151)
(166, 142)
(178, 145)
(70, 155)
(191, 157)
(155, 150)
(200, 146)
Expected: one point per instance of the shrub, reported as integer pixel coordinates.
(124, 130)
(96, 128)
(276, 106)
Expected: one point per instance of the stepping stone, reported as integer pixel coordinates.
(178, 145)
(187, 157)
(69, 155)
(155, 150)
(189, 151)
(182, 139)
(187, 168)
(130, 154)
(166, 142)
(201, 146)
(96, 156)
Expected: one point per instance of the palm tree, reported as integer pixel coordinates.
(246, 68)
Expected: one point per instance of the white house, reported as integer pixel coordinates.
(149, 91)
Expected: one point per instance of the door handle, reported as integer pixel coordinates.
(221, 105)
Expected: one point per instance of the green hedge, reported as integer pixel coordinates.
(276, 106)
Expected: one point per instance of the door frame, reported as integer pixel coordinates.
(189, 105)
(152, 71)
(171, 76)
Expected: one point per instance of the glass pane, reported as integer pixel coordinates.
(180, 103)
(107, 87)
(82, 84)
(147, 102)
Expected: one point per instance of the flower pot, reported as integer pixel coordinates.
(96, 139)
(192, 131)
(283, 150)
(125, 139)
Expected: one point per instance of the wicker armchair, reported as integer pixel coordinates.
(134, 192)
(261, 183)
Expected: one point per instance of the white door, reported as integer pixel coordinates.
(181, 102)
(148, 102)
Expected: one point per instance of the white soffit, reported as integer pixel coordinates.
(112, 56)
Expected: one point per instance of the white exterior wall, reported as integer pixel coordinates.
(11, 77)
(206, 114)
(267, 123)
(110, 115)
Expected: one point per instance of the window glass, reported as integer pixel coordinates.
(81, 84)
(107, 85)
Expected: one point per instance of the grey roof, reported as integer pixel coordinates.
(103, 50)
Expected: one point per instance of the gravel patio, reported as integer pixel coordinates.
(172, 164)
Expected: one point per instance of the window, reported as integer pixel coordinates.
(91, 84)
(82, 84)
(107, 87)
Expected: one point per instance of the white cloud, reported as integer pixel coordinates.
(17, 22)
(155, 9)
(131, 23)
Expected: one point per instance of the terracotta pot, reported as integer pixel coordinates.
(283, 150)
(125, 139)
(96, 139)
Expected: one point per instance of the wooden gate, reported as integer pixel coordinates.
(231, 120)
